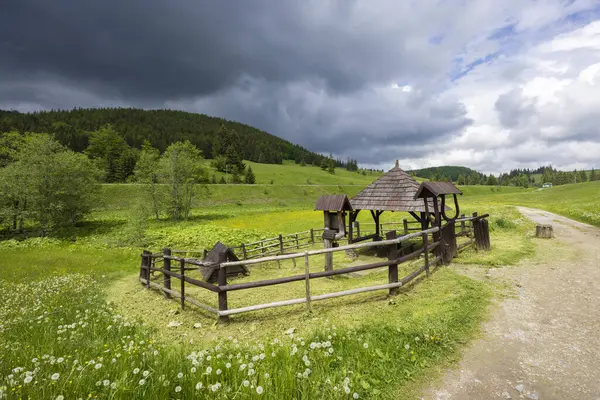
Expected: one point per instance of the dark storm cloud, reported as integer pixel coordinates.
(316, 73)
(174, 49)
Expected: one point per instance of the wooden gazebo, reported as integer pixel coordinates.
(394, 191)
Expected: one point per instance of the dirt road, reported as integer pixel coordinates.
(543, 343)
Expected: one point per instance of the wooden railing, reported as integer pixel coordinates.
(441, 241)
(283, 244)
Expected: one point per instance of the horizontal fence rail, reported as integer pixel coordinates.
(438, 246)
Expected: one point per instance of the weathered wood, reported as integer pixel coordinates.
(312, 236)
(462, 224)
(177, 295)
(182, 280)
(307, 280)
(405, 223)
(340, 248)
(544, 231)
(244, 251)
(297, 243)
(222, 294)
(482, 234)
(146, 255)
(426, 252)
(167, 267)
(392, 268)
(281, 244)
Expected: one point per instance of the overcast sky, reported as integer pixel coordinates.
(493, 85)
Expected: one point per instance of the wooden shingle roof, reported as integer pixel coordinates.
(394, 191)
(333, 202)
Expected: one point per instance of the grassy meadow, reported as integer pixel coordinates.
(75, 323)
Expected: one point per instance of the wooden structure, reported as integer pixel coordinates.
(544, 231)
(334, 209)
(394, 191)
(150, 262)
(217, 255)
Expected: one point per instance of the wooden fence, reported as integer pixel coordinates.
(438, 245)
(283, 244)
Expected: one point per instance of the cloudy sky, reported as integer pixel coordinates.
(490, 84)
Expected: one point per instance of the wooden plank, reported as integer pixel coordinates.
(392, 268)
(426, 252)
(222, 280)
(307, 280)
(182, 280)
(167, 267)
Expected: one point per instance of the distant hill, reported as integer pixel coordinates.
(160, 127)
(446, 171)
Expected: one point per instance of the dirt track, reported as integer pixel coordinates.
(543, 343)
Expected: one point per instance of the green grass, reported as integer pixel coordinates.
(290, 173)
(87, 276)
(580, 201)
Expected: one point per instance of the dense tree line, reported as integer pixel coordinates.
(73, 129)
(44, 183)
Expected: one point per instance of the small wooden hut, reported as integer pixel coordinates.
(394, 191)
(334, 209)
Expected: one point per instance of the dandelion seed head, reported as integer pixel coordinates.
(259, 389)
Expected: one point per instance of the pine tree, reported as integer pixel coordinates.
(593, 175)
(250, 178)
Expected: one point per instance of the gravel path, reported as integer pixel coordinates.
(543, 343)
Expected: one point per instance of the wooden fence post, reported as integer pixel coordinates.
(297, 243)
(182, 263)
(312, 235)
(463, 225)
(482, 234)
(280, 244)
(222, 280)
(146, 266)
(307, 280)
(167, 266)
(244, 251)
(405, 222)
(426, 252)
(392, 268)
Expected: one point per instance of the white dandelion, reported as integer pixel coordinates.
(55, 376)
(142, 382)
(259, 390)
(177, 389)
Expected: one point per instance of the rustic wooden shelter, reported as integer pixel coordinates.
(217, 255)
(334, 209)
(433, 191)
(394, 191)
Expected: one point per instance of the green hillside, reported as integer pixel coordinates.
(161, 127)
(445, 171)
(290, 173)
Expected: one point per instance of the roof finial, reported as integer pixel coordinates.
(397, 165)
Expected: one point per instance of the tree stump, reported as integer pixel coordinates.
(544, 231)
